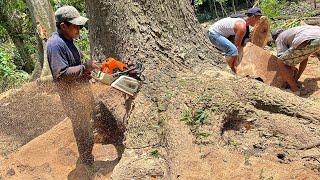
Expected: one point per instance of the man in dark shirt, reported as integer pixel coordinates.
(71, 78)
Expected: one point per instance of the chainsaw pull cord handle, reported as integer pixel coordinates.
(122, 72)
(138, 68)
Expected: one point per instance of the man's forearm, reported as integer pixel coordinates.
(238, 44)
(73, 73)
(302, 67)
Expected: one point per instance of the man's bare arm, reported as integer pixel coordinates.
(240, 29)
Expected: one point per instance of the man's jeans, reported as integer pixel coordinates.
(78, 102)
(223, 44)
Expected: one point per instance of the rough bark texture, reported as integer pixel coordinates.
(43, 20)
(184, 81)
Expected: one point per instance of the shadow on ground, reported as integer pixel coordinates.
(103, 170)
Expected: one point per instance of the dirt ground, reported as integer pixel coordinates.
(37, 143)
(27, 113)
(310, 80)
(53, 155)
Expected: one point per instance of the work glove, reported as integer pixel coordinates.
(90, 65)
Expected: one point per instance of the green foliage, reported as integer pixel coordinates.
(197, 117)
(187, 117)
(3, 35)
(270, 8)
(211, 9)
(203, 134)
(202, 2)
(295, 11)
(234, 143)
(200, 116)
(10, 77)
(299, 9)
(79, 4)
(198, 2)
(18, 11)
(14, 13)
(155, 153)
(83, 43)
(204, 17)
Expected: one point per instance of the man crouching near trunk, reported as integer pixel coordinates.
(72, 80)
(294, 46)
(221, 30)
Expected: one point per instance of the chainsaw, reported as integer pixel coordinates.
(118, 75)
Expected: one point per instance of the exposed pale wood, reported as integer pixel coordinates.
(257, 62)
(261, 32)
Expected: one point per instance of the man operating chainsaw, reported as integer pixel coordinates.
(72, 80)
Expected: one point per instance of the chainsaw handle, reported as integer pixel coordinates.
(95, 78)
(99, 64)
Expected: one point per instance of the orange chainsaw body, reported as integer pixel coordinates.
(111, 64)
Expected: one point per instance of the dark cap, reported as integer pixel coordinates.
(70, 14)
(275, 33)
(255, 11)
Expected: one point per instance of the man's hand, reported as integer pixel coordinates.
(91, 65)
(240, 49)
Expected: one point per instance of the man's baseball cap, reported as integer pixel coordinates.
(255, 11)
(275, 33)
(70, 14)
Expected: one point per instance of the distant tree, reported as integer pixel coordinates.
(43, 21)
(13, 18)
(78, 4)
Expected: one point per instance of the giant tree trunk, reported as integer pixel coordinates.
(43, 20)
(185, 81)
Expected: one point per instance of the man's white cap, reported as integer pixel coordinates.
(70, 14)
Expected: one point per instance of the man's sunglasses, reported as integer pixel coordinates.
(83, 26)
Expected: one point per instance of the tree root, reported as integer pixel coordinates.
(314, 145)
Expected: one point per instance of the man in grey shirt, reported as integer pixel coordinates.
(220, 31)
(294, 46)
(71, 77)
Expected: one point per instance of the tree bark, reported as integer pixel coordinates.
(183, 74)
(43, 21)
(210, 6)
(234, 7)
(222, 8)
(215, 8)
